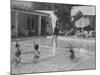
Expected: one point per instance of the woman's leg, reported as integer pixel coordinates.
(56, 40)
(19, 59)
(52, 40)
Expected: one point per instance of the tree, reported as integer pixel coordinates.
(63, 13)
(42, 6)
(78, 15)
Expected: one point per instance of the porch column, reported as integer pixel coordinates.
(16, 23)
(39, 26)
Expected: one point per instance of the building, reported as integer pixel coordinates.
(25, 21)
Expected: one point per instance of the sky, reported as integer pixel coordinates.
(86, 10)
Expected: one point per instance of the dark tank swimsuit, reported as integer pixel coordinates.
(56, 31)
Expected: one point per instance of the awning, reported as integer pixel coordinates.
(82, 22)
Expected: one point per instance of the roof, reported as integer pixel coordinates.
(31, 12)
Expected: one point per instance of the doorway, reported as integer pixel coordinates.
(43, 25)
